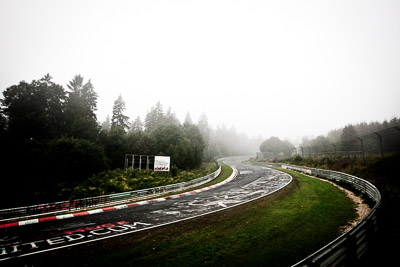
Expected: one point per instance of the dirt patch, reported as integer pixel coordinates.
(362, 208)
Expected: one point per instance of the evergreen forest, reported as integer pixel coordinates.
(51, 139)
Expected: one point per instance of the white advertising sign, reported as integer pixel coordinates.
(161, 163)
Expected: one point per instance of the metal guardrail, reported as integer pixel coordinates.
(351, 246)
(92, 202)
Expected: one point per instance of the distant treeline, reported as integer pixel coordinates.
(348, 133)
(49, 135)
(273, 147)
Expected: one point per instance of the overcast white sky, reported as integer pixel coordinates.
(282, 68)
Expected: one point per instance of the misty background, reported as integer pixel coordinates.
(264, 68)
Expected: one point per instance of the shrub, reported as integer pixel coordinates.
(116, 181)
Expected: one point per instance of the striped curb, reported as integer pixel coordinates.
(118, 207)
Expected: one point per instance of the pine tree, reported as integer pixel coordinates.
(137, 125)
(80, 109)
(90, 98)
(154, 118)
(106, 126)
(119, 120)
(206, 133)
(188, 119)
(170, 117)
(82, 100)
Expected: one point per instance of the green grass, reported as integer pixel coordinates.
(277, 230)
(384, 174)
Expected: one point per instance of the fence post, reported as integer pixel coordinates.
(362, 147)
(126, 162)
(147, 165)
(380, 142)
(348, 150)
(335, 148)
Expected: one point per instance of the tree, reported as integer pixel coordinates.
(71, 159)
(184, 144)
(115, 146)
(206, 133)
(137, 125)
(334, 135)
(204, 126)
(188, 119)
(170, 117)
(80, 109)
(348, 138)
(35, 110)
(106, 126)
(154, 118)
(119, 120)
(166, 138)
(277, 147)
(82, 99)
(3, 123)
(90, 97)
(320, 144)
(394, 122)
(196, 148)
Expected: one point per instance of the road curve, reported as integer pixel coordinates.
(250, 183)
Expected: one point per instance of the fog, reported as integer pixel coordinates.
(266, 68)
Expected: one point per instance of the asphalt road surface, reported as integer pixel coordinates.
(251, 182)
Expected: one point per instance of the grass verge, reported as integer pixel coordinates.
(277, 230)
(226, 171)
(384, 174)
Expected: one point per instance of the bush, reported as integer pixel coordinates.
(116, 181)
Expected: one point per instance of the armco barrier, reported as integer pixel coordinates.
(91, 202)
(347, 249)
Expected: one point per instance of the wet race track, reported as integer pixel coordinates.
(250, 183)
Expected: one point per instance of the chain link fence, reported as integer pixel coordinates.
(376, 143)
(379, 143)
